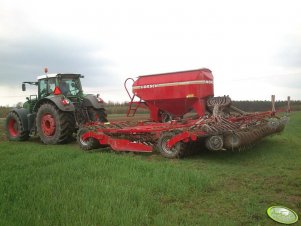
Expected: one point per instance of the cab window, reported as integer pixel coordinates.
(70, 86)
(42, 88)
(51, 85)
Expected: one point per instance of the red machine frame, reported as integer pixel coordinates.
(142, 137)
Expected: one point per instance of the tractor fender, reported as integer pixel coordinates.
(57, 101)
(91, 100)
(22, 114)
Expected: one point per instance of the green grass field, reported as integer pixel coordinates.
(61, 185)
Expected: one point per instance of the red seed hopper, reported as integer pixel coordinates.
(171, 95)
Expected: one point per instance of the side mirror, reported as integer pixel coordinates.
(23, 87)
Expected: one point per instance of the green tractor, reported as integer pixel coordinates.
(56, 112)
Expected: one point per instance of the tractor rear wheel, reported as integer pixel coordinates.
(89, 143)
(97, 115)
(53, 125)
(14, 128)
(177, 151)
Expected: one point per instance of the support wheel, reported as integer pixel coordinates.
(214, 143)
(88, 144)
(176, 151)
(53, 125)
(14, 128)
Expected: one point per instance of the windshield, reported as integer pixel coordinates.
(70, 86)
(46, 87)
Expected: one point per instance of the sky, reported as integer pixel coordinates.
(252, 47)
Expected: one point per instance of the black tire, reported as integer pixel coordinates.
(14, 128)
(53, 125)
(88, 144)
(164, 116)
(97, 115)
(177, 151)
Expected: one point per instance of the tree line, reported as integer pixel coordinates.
(249, 106)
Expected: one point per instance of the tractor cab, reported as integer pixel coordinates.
(59, 84)
(65, 85)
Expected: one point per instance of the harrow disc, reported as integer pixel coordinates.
(232, 141)
(214, 143)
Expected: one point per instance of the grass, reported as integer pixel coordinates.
(61, 185)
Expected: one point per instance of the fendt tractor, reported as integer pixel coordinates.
(56, 112)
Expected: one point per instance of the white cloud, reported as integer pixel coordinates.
(240, 41)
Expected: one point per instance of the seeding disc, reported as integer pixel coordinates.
(282, 214)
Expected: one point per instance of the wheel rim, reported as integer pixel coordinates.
(13, 127)
(214, 143)
(85, 142)
(82, 141)
(48, 125)
(167, 150)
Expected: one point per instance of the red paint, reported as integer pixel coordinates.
(118, 144)
(48, 125)
(57, 91)
(175, 93)
(13, 128)
(134, 136)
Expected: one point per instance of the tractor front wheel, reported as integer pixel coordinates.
(14, 128)
(53, 125)
(176, 151)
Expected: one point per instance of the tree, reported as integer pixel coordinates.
(19, 105)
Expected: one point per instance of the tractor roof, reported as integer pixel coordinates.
(59, 75)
